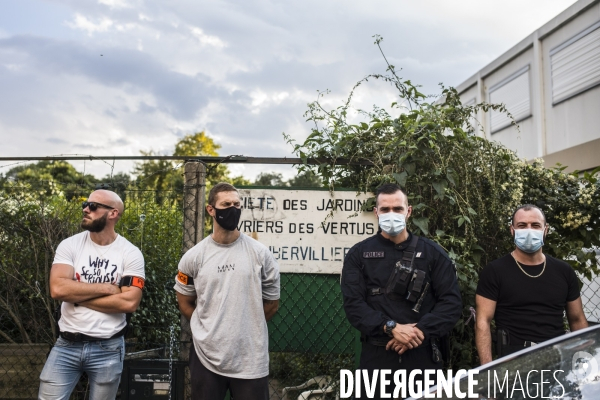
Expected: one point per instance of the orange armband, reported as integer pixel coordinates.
(132, 281)
(184, 279)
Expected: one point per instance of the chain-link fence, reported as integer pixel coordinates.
(35, 216)
(310, 339)
(590, 296)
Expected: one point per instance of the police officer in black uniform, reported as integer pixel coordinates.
(400, 291)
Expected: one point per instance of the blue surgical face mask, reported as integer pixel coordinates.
(529, 240)
(392, 223)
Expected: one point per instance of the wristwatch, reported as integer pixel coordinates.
(389, 326)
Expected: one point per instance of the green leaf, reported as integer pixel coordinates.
(450, 178)
(401, 178)
(423, 224)
(410, 168)
(419, 206)
(461, 221)
(440, 187)
(471, 211)
(452, 256)
(439, 232)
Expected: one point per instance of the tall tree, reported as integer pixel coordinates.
(119, 182)
(269, 179)
(49, 177)
(305, 179)
(165, 177)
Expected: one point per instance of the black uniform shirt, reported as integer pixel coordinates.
(369, 264)
(529, 308)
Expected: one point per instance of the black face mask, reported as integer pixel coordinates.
(228, 218)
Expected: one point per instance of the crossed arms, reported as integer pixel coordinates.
(103, 297)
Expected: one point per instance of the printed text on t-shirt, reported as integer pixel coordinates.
(99, 271)
(226, 267)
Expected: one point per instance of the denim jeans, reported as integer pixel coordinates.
(102, 360)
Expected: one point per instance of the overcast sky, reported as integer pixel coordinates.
(113, 77)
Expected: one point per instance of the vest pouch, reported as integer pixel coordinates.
(399, 280)
(417, 283)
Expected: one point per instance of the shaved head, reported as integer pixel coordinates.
(109, 198)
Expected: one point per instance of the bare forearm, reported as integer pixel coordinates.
(575, 315)
(187, 311)
(578, 324)
(187, 305)
(73, 291)
(483, 340)
(117, 303)
(270, 307)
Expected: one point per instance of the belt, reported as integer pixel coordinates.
(526, 343)
(513, 347)
(375, 341)
(519, 343)
(80, 337)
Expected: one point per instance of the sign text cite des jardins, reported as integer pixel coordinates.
(307, 231)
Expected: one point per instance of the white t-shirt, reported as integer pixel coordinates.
(96, 264)
(229, 329)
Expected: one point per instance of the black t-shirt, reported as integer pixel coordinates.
(529, 308)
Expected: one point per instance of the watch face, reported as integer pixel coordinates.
(389, 326)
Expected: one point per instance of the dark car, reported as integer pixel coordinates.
(566, 367)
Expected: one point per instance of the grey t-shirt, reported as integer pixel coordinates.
(228, 325)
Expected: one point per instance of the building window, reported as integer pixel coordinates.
(514, 93)
(575, 64)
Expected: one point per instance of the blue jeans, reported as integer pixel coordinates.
(102, 360)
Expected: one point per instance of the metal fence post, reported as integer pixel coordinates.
(194, 177)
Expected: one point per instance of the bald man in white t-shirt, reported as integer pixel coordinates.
(99, 276)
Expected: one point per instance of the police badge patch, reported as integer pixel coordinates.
(373, 254)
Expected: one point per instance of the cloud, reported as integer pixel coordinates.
(55, 140)
(115, 3)
(120, 76)
(207, 39)
(84, 24)
(178, 94)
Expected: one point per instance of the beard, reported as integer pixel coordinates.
(95, 225)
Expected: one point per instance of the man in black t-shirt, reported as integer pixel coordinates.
(526, 291)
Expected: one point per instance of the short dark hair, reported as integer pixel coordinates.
(527, 207)
(389, 188)
(218, 188)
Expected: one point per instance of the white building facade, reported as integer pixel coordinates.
(550, 83)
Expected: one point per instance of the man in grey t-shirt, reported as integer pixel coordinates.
(228, 287)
